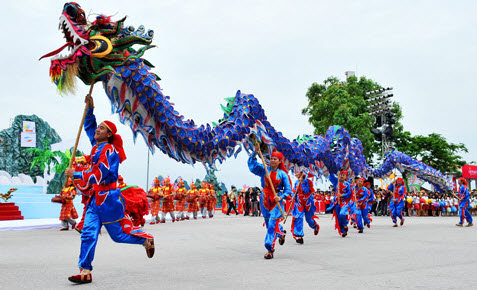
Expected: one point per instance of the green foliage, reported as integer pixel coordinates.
(43, 157)
(344, 103)
(434, 150)
(197, 183)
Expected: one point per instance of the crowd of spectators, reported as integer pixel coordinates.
(423, 203)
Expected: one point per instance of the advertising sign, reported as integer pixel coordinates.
(29, 127)
(469, 171)
(28, 140)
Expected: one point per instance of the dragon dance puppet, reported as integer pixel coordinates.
(102, 51)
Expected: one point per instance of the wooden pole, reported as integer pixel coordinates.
(268, 175)
(79, 131)
(291, 206)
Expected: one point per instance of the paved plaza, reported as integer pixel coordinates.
(226, 252)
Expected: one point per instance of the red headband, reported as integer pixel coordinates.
(463, 180)
(117, 140)
(366, 184)
(111, 126)
(362, 179)
(279, 155)
(344, 172)
(400, 179)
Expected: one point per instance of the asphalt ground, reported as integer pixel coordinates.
(227, 252)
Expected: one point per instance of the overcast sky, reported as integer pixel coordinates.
(207, 50)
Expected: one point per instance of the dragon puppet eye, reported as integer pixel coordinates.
(72, 10)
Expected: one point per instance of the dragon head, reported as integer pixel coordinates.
(94, 50)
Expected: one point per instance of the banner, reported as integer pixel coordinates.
(469, 171)
(28, 140)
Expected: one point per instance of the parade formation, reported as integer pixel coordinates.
(102, 52)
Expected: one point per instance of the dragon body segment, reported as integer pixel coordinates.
(102, 51)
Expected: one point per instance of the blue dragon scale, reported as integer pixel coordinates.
(103, 51)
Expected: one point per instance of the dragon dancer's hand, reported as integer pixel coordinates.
(89, 101)
(69, 172)
(257, 147)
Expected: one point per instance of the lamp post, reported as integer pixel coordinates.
(380, 107)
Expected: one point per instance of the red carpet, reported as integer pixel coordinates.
(9, 211)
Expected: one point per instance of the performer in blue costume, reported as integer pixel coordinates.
(269, 203)
(341, 201)
(396, 205)
(304, 205)
(464, 204)
(361, 197)
(106, 205)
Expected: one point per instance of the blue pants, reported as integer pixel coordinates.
(341, 213)
(464, 213)
(364, 214)
(271, 222)
(272, 233)
(298, 220)
(396, 210)
(89, 234)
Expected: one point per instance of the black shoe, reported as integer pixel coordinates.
(299, 240)
(281, 240)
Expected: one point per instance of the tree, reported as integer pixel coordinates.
(56, 161)
(44, 157)
(433, 150)
(344, 103)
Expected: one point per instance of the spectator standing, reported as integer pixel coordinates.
(232, 197)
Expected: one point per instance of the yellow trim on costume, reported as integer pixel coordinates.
(106, 125)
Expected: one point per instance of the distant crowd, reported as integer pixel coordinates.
(423, 203)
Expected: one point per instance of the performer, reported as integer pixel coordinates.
(341, 200)
(68, 212)
(303, 205)
(241, 201)
(192, 196)
(203, 197)
(371, 198)
(154, 194)
(269, 203)
(105, 207)
(225, 198)
(212, 200)
(167, 201)
(396, 205)
(179, 197)
(361, 202)
(464, 204)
